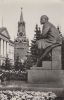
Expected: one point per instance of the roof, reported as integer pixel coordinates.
(11, 41)
(4, 32)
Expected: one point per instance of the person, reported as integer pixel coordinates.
(50, 34)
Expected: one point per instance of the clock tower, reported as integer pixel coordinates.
(21, 42)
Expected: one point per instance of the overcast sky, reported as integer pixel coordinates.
(32, 11)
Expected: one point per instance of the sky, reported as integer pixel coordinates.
(10, 11)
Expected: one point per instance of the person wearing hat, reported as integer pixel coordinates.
(50, 34)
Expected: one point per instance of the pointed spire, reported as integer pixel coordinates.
(21, 25)
(21, 16)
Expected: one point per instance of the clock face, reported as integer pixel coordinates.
(20, 33)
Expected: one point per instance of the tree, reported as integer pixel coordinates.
(34, 49)
(18, 64)
(28, 63)
(7, 64)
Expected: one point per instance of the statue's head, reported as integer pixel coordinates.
(43, 19)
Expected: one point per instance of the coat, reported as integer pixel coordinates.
(50, 36)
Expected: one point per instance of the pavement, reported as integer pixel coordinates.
(18, 85)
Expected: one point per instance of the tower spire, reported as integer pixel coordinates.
(21, 16)
(21, 26)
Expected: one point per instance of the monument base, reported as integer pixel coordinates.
(46, 76)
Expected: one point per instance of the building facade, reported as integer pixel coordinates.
(6, 46)
(21, 43)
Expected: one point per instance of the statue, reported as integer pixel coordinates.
(49, 38)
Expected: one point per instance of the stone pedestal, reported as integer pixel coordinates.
(50, 72)
(56, 58)
(46, 76)
(46, 65)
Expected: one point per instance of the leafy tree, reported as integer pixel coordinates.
(7, 64)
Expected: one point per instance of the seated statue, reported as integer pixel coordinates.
(50, 37)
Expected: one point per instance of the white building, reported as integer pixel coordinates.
(6, 46)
